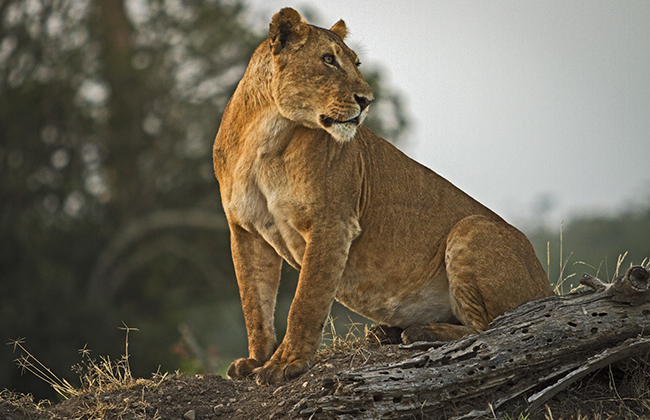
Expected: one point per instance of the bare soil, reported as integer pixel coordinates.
(621, 391)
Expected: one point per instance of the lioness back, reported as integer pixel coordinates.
(409, 211)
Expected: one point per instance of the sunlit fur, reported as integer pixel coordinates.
(302, 180)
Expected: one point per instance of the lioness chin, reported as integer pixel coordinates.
(302, 180)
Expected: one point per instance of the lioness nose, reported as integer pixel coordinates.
(362, 101)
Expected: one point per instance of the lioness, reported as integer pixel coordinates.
(302, 179)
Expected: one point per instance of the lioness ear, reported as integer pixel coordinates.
(340, 29)
(287, 29)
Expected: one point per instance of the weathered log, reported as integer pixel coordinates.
(526, 357)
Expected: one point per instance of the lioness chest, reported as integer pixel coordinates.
(262, 202)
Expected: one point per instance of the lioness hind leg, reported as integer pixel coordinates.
(491, 268)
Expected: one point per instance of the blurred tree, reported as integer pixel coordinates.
(110, 210)
(387, 117)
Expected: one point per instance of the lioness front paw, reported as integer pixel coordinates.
(243, 368)
(384, 334)
(274, 372)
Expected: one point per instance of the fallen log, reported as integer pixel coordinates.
(526, 357)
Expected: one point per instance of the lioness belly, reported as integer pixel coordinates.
(395, 301)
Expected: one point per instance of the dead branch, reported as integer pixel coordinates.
(526, 357)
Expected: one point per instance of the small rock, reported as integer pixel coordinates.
(219, 408)
(304, 385)
(190, 415)
(328, 382)
(301, 405)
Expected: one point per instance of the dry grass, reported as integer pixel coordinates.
(564, 285)
(353, 343)
(103, 375)
(27, 362)
(637, 380)
(97, 378)
(562, 280)
(24, 403)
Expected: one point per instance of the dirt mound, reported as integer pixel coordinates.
(211, 396)
(620, 391)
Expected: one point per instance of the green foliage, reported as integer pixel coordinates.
(594, 245)
(109, 207)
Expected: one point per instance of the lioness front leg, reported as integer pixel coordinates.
(257, 267)
(322, 267)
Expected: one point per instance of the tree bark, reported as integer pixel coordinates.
(526, 357)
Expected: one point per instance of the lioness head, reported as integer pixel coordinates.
(316, 80)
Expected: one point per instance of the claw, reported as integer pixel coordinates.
(243, 368)
(273, 372)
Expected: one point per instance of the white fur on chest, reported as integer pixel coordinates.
(263, 201)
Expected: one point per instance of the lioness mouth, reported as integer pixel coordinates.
(328, 122)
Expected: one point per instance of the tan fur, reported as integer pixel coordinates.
(302, 180)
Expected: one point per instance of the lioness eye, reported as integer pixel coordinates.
(329, 59)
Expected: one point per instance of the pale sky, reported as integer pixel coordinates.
(512, 100)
